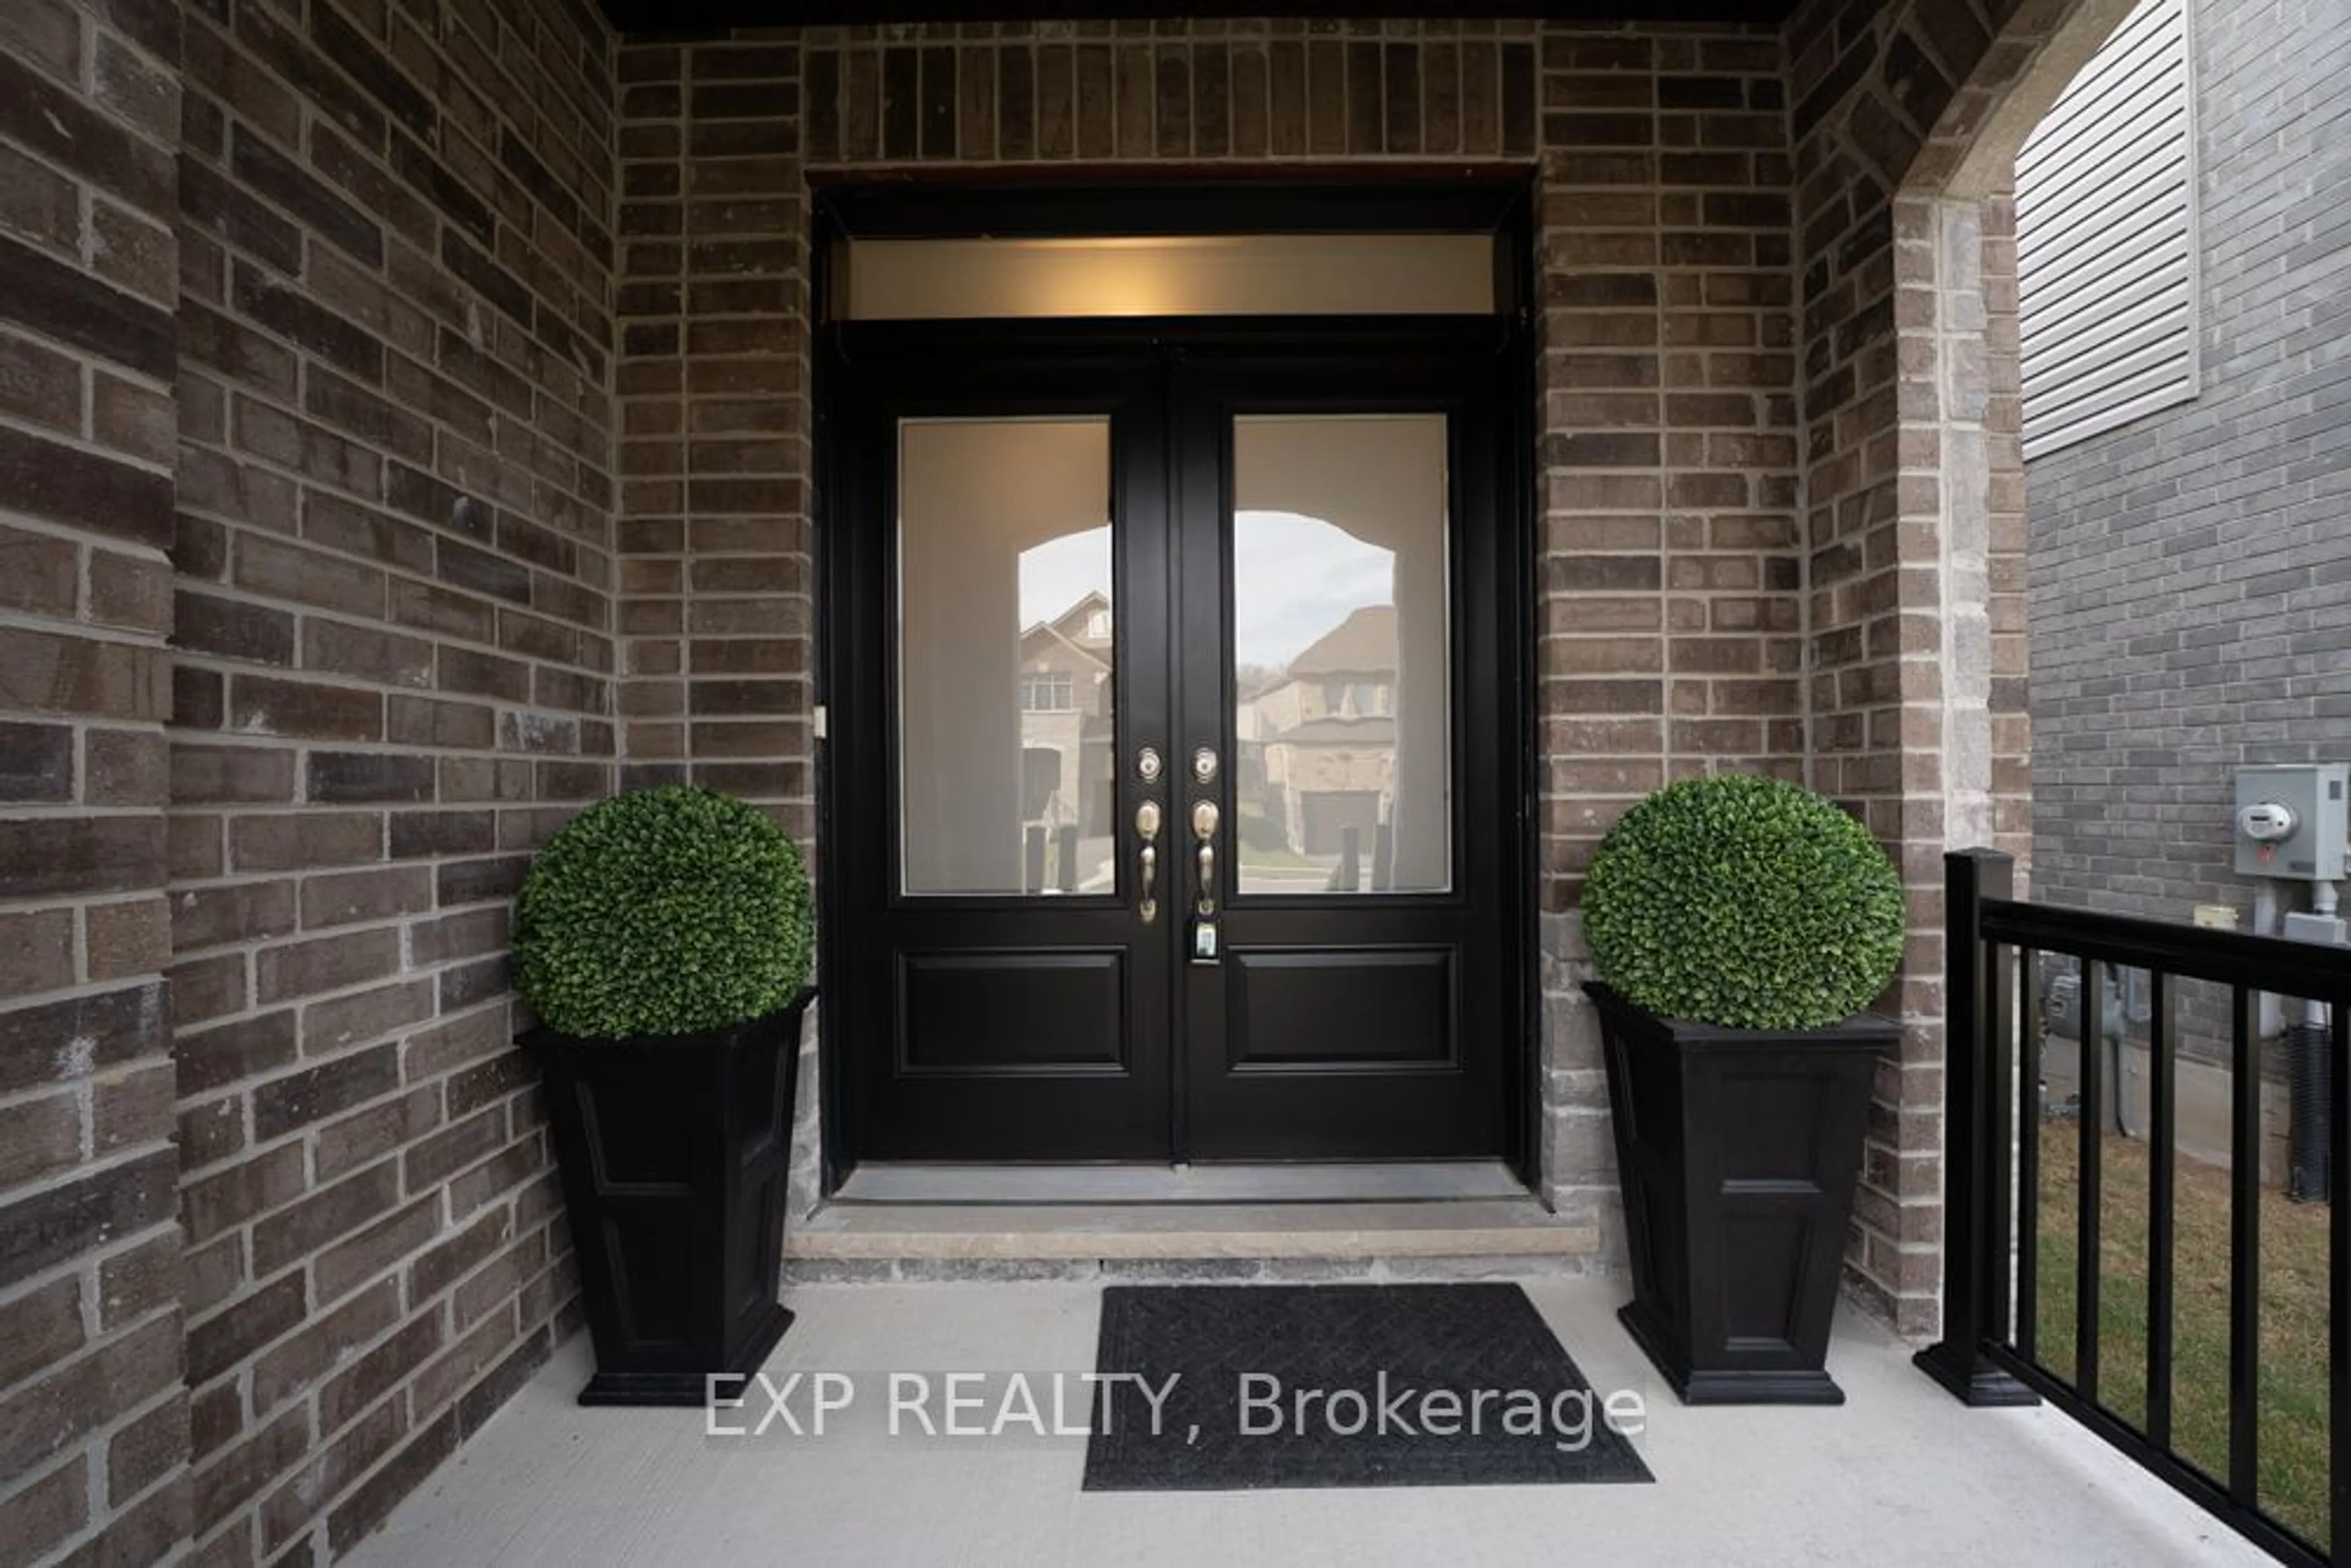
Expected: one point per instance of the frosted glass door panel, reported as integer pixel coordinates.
(1341, 674)
(1007, 657)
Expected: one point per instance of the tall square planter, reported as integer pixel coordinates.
(1737, 1150)
(675, 1153)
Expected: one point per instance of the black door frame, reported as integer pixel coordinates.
(1350, 200)
(1227, 1114)
(1110, 1115)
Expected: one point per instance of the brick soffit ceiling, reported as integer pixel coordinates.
(692, 16)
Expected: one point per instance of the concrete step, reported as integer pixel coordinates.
(1496, 1229)
(1300, 1182)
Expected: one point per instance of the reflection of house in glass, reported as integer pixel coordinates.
(1068, 767)
(1318, 751)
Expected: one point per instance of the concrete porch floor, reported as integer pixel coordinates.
(1900, 1474)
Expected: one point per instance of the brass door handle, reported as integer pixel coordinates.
(1147, 827)
(1203, 828)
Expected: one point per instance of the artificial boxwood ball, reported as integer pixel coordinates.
(1744, 902)
(665, 911)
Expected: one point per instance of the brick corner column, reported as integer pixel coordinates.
(93, 1400)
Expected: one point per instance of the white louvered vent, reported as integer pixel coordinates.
(2106, 238)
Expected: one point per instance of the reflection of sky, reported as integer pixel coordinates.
(1060, 571)
(1295, 578)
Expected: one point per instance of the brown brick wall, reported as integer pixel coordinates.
(1170, 90)
(717, 607)
(1672, 632)
(1670, 637)
(394, 650)
(1905, 120)
(93, 1413)
(1668, 502)
(474, 477)
(1721, 584)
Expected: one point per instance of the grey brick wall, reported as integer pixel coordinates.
(2192, 572)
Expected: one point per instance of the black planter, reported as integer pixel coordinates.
(673, 1153)
(1737, 1150)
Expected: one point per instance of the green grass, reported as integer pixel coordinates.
(2291, 1446)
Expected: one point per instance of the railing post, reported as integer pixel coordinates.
(1975, 1238)
(2338, 1283)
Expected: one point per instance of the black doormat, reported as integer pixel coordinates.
(1342, 1385)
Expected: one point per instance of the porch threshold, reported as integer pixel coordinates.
(1415, 1181)
(1503, 1228)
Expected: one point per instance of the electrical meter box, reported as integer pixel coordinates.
(2292, 822)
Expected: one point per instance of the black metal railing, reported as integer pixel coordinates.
(1992, 1292)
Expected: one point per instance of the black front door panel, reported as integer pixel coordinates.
(1256, 593)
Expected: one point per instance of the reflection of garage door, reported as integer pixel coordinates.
(1041, 777)
(1331, 812)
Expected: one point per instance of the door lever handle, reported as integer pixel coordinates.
(1147, 827)
(1203, 828)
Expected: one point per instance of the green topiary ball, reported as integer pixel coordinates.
(665, 911)
(1744, 902)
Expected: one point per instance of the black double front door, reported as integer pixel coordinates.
(1175, 770)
